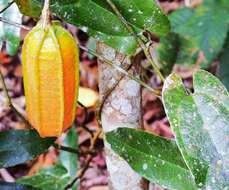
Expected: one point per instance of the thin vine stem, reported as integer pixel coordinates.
(106, 95)
(10, 22)
(139, 40)
(14, 24)
(83, 125)
(73, 150)
(7, 6)
(121, 70)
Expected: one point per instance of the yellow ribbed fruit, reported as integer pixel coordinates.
(50, 61)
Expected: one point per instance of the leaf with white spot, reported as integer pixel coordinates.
(19, 146)
(156, 158)
(200, 122)
(101, 21)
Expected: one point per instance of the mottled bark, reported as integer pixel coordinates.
(121, 109)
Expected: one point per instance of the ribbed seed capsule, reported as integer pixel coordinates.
(51, 75)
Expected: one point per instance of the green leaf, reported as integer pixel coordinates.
(186, 55)
(202, 33)
(8, 33)
(101, 21)
(223, 72)
(200, 122)
(153, 157)
(203, 27)
(53, 178)
(126, 44)
(144, 16)
(18, 146)
(168, 49)
(59, 175)
(174, 48)
(179, 17)
(67, 159)
(30, 7)
(15, 186)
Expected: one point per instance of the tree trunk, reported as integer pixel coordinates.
(121, 109)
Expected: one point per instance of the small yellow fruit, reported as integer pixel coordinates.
(50, 60)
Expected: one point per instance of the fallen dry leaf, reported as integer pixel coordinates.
(87, 97)
(43, 161)
(5, 59)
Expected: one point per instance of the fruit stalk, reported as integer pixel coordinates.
(45, 16)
